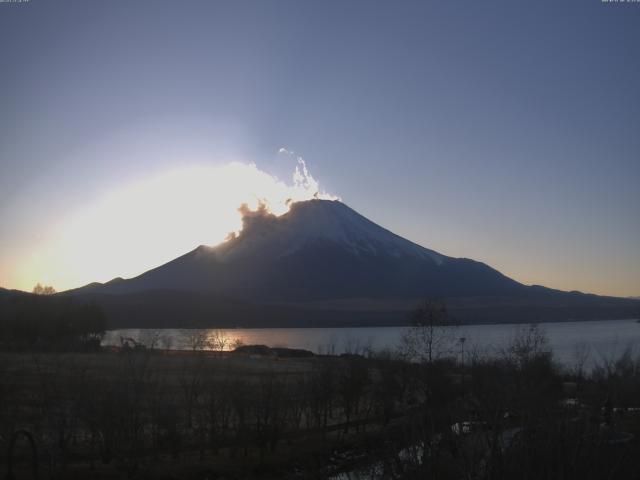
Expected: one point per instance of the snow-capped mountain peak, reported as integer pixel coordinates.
(319, 250)
(317, 221)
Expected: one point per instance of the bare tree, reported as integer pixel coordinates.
(430, 333)
(150, 338)
(236, 343)
(529, 342)
(43, 289)
(352, 383)
(217, 341)
(195, 339)
(580, 356)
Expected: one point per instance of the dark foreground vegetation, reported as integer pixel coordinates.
(70, 410)
(142, 413)
(41, 322)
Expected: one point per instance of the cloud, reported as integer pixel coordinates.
(147, 223)
(305, 185)
(257, 219)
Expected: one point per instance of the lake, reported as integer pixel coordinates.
(595, 340)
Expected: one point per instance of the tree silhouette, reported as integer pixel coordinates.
(430, 330)
(43, 289)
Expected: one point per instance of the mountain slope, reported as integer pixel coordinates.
(323, 264)
(320, 249)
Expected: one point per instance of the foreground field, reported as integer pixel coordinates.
(196, 415)
(183, 414)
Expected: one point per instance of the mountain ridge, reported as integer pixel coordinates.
(322, 258)
(325, 245)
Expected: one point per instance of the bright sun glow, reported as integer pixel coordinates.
(154, 221)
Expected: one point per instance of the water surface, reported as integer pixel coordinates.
(569, 341)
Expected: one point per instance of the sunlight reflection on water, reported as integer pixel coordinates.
(600, 340)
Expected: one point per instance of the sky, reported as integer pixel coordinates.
(507, 132)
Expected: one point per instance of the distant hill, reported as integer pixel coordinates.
(6, 292)
(322, 263)
(172, 309)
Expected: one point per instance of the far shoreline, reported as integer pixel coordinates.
(383, 325)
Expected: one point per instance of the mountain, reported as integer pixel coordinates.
(321, 256)
(11, 293)
(319, 250)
